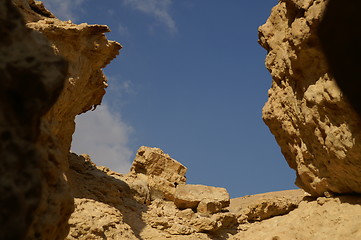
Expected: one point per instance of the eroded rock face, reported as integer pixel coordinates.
(191, 196)
(266, 205)
(35, 198)
(88, 51)
(326, 218)
(39, 111)
(317, 130)
(159, 171)
(121, 207)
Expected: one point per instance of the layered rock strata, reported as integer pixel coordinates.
(316, 128)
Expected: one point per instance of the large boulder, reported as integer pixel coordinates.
(201, 197)
(316, 128)
(161, 173)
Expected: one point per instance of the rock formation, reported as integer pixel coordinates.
(316, 128)
(337, 32)
(41, 93)
(35, 197)
(51, 71)
(133, 206)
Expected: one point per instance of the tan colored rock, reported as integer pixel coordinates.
(165, 216)
(316, 128)
(105, 205)
(35, 198)
(214, 223)
(154, 162)
(189, 196)
(39, 76)
(208, 206)
(326, 218)
(266, 205)
(159, 170)
(96, 220)
(33, 10)
(88, 51)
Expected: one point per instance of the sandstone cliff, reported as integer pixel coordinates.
(49, 193)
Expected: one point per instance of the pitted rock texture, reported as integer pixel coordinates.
(46, 107)
(316, 128)
(323, 219)
(88, 51)
(263, 206)
(190, 196)
(34, 195)
(161, 173)
(338, 31)
(119, 206)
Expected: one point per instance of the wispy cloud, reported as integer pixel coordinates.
(160, 9)
(123, 30)
(64, 9)
(104, 136)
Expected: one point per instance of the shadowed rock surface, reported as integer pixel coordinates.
(317, 129)
(34, 196)
(338, 32)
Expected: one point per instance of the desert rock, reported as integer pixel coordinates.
(326, 218)
(35, 197)
(266, 205)
(43, 76)
(190, 196)
(162, 173)
(46, 189)
(316, 128)
(88, 51)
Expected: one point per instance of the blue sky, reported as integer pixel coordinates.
(190, 80)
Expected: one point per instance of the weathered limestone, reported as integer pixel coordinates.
(191, 196)
(338, 31)
(153, 201)
(121, 205)
(266, 205)
(326, 218)
(40, 108)
(317, 130)
(34, 196)
(88, 51)
(209, 206)
(104, 205)
(162, 173)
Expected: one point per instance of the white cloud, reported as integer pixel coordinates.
(156, 8)
(104, 136)
(63, 9)
(123, 30)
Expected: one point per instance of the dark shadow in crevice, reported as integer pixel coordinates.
(87, 181)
